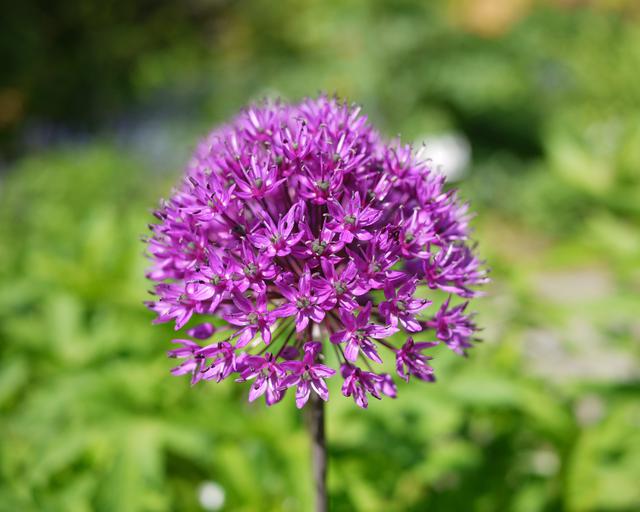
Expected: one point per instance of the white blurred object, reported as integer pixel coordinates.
(211, 496)
(449, 152)
(545, 462)
(589, 410)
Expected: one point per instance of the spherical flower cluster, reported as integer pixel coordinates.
(306, 234)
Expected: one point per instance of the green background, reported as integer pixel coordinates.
(100, 105)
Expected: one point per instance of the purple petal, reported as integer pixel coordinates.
(320, 388)
(186, 367)
(257, 389)
(285, 310)
(380, 332)
(351, 350)
(317, 314)
(305, 283)
(199, 291)
(369, 350)
(411, 324)
(363, 317)
(301, 322)
(274, 395)
(266, 335)
(347, 319)
(245, 337)
(183, 318)
(302, 394)
(339, 337)
(361, 399)
(322, 371)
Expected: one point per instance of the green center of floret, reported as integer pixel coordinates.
(252, 318)
(340, 287)
(323, 185)
(318, 247)
(302, 302)
(401, 305)
(349, 219)
(250, 270)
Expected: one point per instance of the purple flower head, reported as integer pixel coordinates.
(296, 223)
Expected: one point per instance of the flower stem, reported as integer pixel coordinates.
(318, 452)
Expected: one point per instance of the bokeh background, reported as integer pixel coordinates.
(531, 107)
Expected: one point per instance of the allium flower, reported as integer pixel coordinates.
(358, 383)
(297, 223)
(358, 334)
(268, 375)
(302, 302)
(252, 317)
(453, 326)
(401, 306)
(411, 361)
(308, 374)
